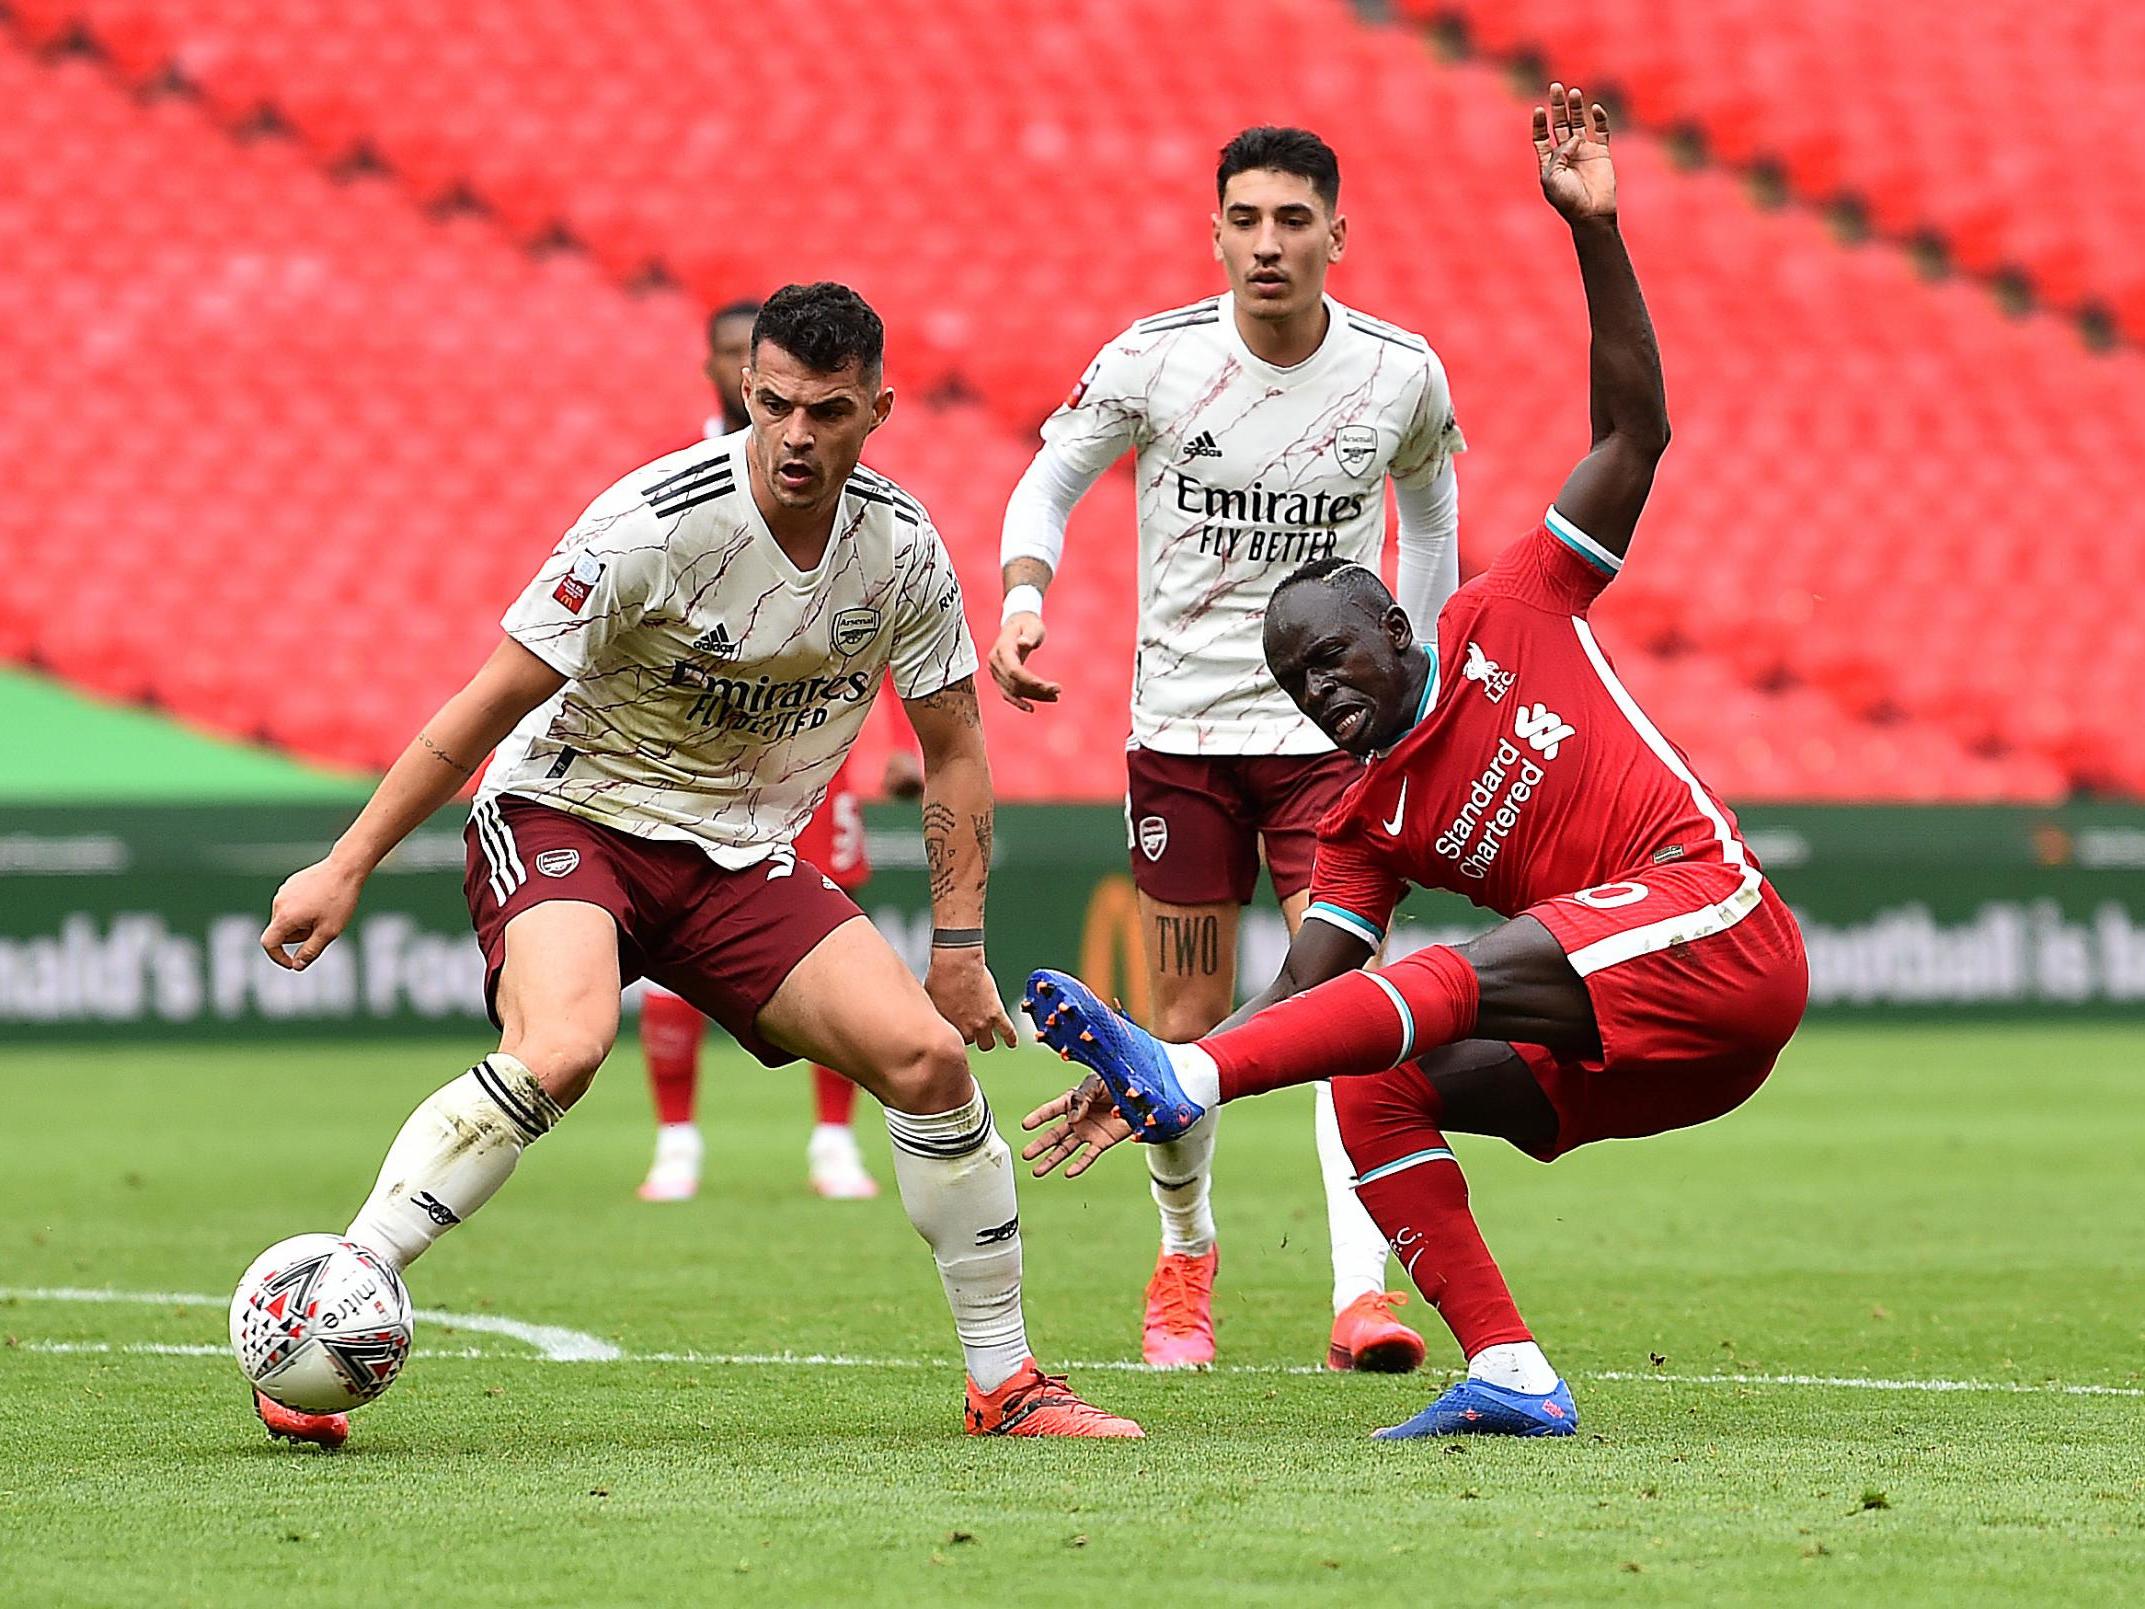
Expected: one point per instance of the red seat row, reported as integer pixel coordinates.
(332, 433)
(1969, 122)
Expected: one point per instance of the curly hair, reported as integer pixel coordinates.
(824, 326)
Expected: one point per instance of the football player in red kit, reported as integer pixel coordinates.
(1647, 976)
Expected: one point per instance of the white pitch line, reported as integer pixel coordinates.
(837, 1360)
(557, 1343)
(174, 1349)
(1864, 1382)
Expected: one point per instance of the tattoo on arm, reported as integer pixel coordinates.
(938, 848)
(982, 824)
(443, 756)
(957, 699)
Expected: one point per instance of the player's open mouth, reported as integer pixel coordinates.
(1347, 724)
(795, 476)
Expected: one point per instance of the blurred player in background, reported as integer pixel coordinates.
(1647, 976)
(1266, 423)
(833, 840)
(676, 688)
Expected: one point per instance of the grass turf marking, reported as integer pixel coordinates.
(557, 1344)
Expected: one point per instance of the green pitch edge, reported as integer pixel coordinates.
(58, 746)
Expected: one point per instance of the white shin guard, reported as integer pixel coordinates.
(1359, 1248)
(451, 1157)
(956, 1181)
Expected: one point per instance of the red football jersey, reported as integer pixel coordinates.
(1532, 772)
(833, 840)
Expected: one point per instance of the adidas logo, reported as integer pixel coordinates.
(1203, 445)
(1543, 729)
(715, 641)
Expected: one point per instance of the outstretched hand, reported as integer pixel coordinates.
(1571, 139)
(1084, 1124)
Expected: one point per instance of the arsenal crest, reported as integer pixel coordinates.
(1355, 446)
(853, 628)
(1154, 836)
(558, 862)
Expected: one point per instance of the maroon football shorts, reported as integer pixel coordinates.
(723, 940)
(1194, 822)
(1698, 981)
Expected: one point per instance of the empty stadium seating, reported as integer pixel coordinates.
(1973, 123)
(386, 416)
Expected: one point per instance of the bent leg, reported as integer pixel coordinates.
(852, 1005)
(558, 1002)
(1512, 983)
(1411, 1184)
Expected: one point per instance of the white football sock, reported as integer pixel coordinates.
(452, 1155)
(1180, 1173)
(1515, 1365)
(1359, 1248)
(1196, 1073)
(956, 1181)
(679, 1145)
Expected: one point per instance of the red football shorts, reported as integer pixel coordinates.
(1195, 822)
(723, 940)
(1698, 980)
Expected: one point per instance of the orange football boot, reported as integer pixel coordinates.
(328, 1430)
(1033, 1403)
(1178, 1329)
(1366, 1336)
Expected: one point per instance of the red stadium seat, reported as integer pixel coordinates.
(387, 416)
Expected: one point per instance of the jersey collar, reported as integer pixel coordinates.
(1335, 314)
(1422, 708)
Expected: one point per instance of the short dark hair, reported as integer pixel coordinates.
(1358, 583)
(744, 307)
(824, 326)
(1285, 150)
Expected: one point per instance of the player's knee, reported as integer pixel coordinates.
(563, 1059)
(1370, 1107)
(1189, 1015)
(926, 1071)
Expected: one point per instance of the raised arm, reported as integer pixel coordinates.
(316, 904)
(1626, 400)
(958, 811)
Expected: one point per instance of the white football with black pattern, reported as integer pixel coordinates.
(320, 1323)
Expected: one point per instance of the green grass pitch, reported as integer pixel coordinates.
(1902, 1205)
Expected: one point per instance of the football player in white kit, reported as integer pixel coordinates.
(675, 689)
(1265, 424)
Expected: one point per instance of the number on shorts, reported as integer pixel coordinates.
(1612, 896)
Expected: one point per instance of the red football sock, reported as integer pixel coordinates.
(1362, 1022)
(1413, 1189)
(670, 1038)
(833, 1096)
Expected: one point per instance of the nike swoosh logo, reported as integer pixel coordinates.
(1392, 828)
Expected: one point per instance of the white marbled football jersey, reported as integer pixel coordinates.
(713, 688)
(1245, 472)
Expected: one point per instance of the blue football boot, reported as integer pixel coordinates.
(1143, 1086)
(1477, 1408)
